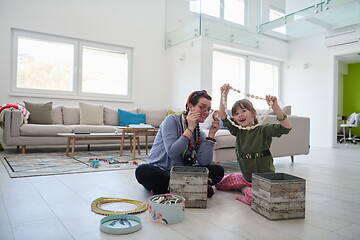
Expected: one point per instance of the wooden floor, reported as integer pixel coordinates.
(58, 207)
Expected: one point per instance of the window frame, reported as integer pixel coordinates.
(248, 58)
(76, 93)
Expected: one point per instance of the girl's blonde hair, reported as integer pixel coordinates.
(244, 104)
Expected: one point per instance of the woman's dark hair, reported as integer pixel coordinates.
(195, 96)
(244, 104)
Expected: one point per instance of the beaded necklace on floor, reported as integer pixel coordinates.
(251, 96)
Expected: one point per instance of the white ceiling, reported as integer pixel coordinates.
(350, 58)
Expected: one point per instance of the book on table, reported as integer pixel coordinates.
(144, 126)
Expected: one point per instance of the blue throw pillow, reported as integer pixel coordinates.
(126, 118)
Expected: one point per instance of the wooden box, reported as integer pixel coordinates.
(278, 195)
(190, 183)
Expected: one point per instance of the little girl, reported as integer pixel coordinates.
(252, 146)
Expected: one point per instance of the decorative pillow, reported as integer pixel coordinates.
(173, 112)
(126, 118)
(261, 112)
(287, 110)
(111, 116)
(154, 117)
(57, 115)
(71, 115)
(91, 114)
(40, 113)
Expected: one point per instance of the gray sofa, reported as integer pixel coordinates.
(67, 120)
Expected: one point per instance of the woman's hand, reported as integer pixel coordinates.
(192, 120)
(215, 126)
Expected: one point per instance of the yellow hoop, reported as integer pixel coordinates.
(97, 203)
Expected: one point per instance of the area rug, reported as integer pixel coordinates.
(42, 164)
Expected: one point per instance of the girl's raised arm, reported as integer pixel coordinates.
(224, 91)
(280, 115)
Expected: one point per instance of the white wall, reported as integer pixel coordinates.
(183, 67)
(309, 86)
(133, 23)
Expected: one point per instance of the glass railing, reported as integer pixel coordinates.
(181, 23)
(319, 18)
(185, 21)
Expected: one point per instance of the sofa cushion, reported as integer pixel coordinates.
(223, 139)
(57, 115)
(40, 113)
(91, 114)
(178, 112)
(71, 115)
(111, 116)
(93, 128)
(261, 112)
(43, 129)
(154, 117)
(126, 118)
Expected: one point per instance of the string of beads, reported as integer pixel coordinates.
(251, 96)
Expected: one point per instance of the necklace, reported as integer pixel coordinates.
(251, 96)
(190, 158)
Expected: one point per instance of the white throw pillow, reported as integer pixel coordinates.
(91, 114)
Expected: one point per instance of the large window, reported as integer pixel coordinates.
(252, 75)
(228, 10)
(53, 66)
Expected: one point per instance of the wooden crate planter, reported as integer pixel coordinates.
(278, 195)
(190, 183)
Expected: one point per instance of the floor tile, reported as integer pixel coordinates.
(24, 203)
(45, 229)
(352, 231)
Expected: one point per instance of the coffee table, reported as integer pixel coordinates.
(136, 132)
(74, 137)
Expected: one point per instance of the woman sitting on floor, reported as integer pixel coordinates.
(180, 142)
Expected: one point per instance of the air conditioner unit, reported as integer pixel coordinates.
(343, 39)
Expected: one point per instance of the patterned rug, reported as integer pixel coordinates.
(42, 164)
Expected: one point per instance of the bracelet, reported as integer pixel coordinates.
(190, 130)
(211, 139)
(284, 116)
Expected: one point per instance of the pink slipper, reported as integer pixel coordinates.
(247, 198)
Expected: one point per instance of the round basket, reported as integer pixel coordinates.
(167, 208)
